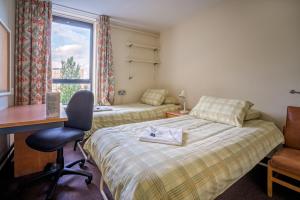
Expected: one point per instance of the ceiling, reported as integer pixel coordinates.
(152, 15)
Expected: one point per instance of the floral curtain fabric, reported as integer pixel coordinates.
(32, 51)
(106, 90)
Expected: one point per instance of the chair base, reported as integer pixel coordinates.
(58, 170)
(272, 179)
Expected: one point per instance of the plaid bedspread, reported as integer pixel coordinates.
(129, 113)
(213, 157)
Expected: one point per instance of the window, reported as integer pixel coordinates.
(72, 56)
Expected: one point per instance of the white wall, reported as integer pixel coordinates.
(7, 15)
(237, 49)
(143, 75)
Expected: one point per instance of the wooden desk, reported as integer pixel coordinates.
(23, 121)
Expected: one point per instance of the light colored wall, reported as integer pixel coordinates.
(7, 15)
(143, 74)
(237, 49)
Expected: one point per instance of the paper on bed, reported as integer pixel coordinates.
(102, 108)
(163, 135)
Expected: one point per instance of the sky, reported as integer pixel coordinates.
(70, 41)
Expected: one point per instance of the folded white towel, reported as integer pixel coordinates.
(162, 135)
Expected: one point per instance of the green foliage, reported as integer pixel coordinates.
(69, 70)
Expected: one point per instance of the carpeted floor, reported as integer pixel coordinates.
(250, 187)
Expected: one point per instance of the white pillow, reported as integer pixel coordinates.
(227, 111)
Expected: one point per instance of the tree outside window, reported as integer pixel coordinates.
(69, 70)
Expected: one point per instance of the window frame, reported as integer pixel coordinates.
(82, 24)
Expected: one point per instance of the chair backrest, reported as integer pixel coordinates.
(292, 129)
(80, 110)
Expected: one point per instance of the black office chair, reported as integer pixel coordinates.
(80, 114)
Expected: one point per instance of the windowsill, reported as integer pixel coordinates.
(3, 94)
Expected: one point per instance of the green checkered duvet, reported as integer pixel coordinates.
(213, 157)
(129, 113)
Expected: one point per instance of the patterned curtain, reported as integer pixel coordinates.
(32, 51)
(106, 89)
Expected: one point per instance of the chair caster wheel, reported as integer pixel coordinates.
(81, 164)
(88, 180)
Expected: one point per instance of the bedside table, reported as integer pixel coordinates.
(174, 114)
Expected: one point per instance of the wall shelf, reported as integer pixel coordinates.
(144, 46)
(151, 60)
(136, 60)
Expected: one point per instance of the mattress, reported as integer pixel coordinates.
(212, 158)
(129, 113)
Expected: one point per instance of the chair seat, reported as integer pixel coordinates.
(287, 159)
(53, 139)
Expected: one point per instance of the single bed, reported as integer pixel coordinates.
(212, 158)
(129, 113)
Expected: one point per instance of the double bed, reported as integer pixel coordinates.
(213, 157)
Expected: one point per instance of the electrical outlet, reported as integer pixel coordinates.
(122, 92)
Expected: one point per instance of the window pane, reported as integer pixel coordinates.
(71, 49)
(67, 90)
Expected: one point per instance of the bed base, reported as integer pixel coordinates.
(101, 188)
(87, 158)
(82, 151)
